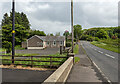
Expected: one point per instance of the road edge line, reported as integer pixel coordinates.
(99, 70)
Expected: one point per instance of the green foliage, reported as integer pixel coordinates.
(66, 33)
(68, 44)
(90, 38)
(76, 49)
(102, 34)
(76, 59)
(109, 44)
(51, 35)
(84, 37)
(36, 32)
(7, 45)
(38, 59)
(57, 34)
(20, 18)
(96, 39)
(77, 31)
(20, 33)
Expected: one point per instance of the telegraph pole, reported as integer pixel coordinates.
(72, 25)
(13, 30)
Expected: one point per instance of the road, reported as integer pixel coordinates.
(24, 76)
(106, 60)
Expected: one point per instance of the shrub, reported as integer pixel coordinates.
(84, 37)
(68, 44)
(90, 39)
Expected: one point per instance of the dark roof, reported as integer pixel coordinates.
(51, 38)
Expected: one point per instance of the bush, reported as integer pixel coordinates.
(97, 39)
(90, 39)
(84, 37)
(8, 46)
(68, 44)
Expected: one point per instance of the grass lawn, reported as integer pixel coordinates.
(76, 49)
(38, 59)
(108, 44)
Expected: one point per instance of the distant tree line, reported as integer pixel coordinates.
(101, 33)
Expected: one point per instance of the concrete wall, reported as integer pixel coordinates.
(61, 74)
(35, 47)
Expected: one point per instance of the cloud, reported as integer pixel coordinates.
(55, 16)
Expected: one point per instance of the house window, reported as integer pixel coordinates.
(61, 42)
(39, 43)
(54, 42)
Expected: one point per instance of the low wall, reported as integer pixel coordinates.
(61, 74)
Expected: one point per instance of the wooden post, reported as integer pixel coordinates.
(60, 49)
(50, 61)
(64, 48)
(31, 61)
(72, 25)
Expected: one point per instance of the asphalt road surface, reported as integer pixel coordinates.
(24, 76)
(106, 60)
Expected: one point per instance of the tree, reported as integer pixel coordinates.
(20, 18)
(36, 32)
(5, 20)
(51, 34)
(66, 34)
(77, 31)
(102, 34)
(57, 34)
(20, 33)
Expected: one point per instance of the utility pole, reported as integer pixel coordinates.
(13, 31)
(72, 25)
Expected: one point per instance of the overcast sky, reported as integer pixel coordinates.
(52, 17)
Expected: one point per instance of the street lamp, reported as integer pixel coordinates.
(13, 30)
(72, 25)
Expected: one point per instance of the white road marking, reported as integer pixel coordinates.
(95, 49)
(109, 56)
(100, 52)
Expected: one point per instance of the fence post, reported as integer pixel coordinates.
(60, 49)
(50, 61)
(64, 49)
(31, 61)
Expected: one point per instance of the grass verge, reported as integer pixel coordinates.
(76, 49)
(76, 59)
(108, 45)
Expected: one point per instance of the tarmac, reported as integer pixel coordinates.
(83, 71)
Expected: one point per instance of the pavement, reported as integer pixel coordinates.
(15, 76)
(83, 71)
(106, 60)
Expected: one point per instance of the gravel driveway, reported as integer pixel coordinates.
(46, 51)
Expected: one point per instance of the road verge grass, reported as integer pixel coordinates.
(76, 59)
(111, 45)
(76, 49)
